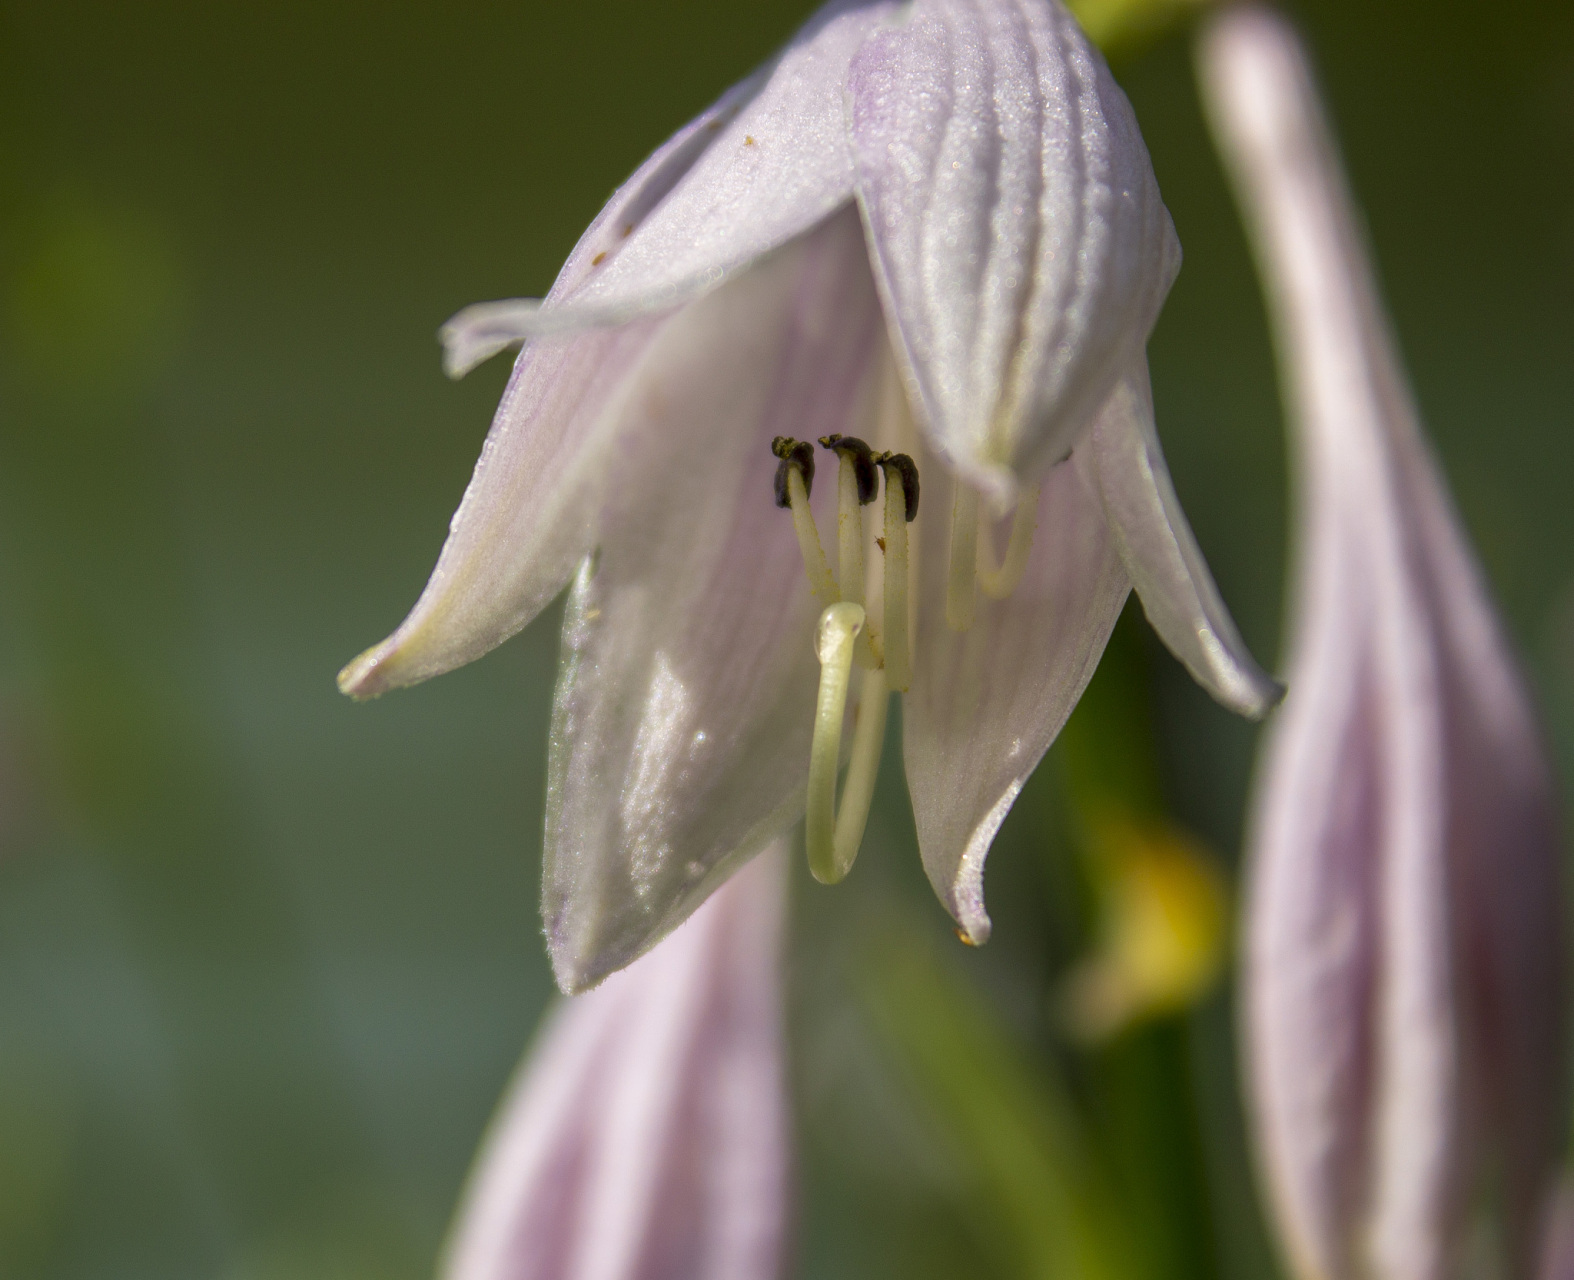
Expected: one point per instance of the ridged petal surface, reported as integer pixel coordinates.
(1019, 237)
(646, 1135)
(1405, 965)
(685, 704)
(986, 703)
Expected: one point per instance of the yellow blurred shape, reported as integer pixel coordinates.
(1163, 917)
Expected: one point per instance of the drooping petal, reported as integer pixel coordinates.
(685, 705)
(762, 166)
(986, 703)
(766, 163)
(528, 515)
(1404, 925)
(1019, 236)
(646, 1136)
(1124, 460)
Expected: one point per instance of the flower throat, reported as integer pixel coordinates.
(848, 637)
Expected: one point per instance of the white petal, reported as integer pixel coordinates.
(685, 707)
(986, 703)
(766, 163)
(1018, 231)
(1124, 459)
(646, 1135)
(528, 515)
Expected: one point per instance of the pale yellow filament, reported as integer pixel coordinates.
(863, 767)
(849, 532)
(834, 641)
(850, 553)
(833, 833)
(999, 581)
(964, 559)
(898, 660)
(814, 562)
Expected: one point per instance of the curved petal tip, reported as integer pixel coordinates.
(973, 922)
(366, 676)
(479, 332)
(1236, 681)
(965, 900)
(1126, 466)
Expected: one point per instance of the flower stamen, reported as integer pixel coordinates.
(863, 768)
(794, 482)
(857, 483)
(834, 642)
(999, 581)
(901, 508)
(846, 634)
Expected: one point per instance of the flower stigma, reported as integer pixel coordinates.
(834, 640)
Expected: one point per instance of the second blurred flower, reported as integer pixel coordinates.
(1404, 1009)
(646, 1137)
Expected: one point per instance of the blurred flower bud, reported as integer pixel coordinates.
(646, 1135)
(1557, 1234)
(1403, 1011)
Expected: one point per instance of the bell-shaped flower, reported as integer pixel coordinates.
(1403, 1009)
(927, 234)
(646, 1136)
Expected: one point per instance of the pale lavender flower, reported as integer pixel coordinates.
(1404, 964)
(939, 210)
(1557, 1234)
(646, 1135)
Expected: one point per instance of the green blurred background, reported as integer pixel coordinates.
(267, 957)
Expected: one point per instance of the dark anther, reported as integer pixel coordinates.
(862, 458)
(793, 453)
(907, 470)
